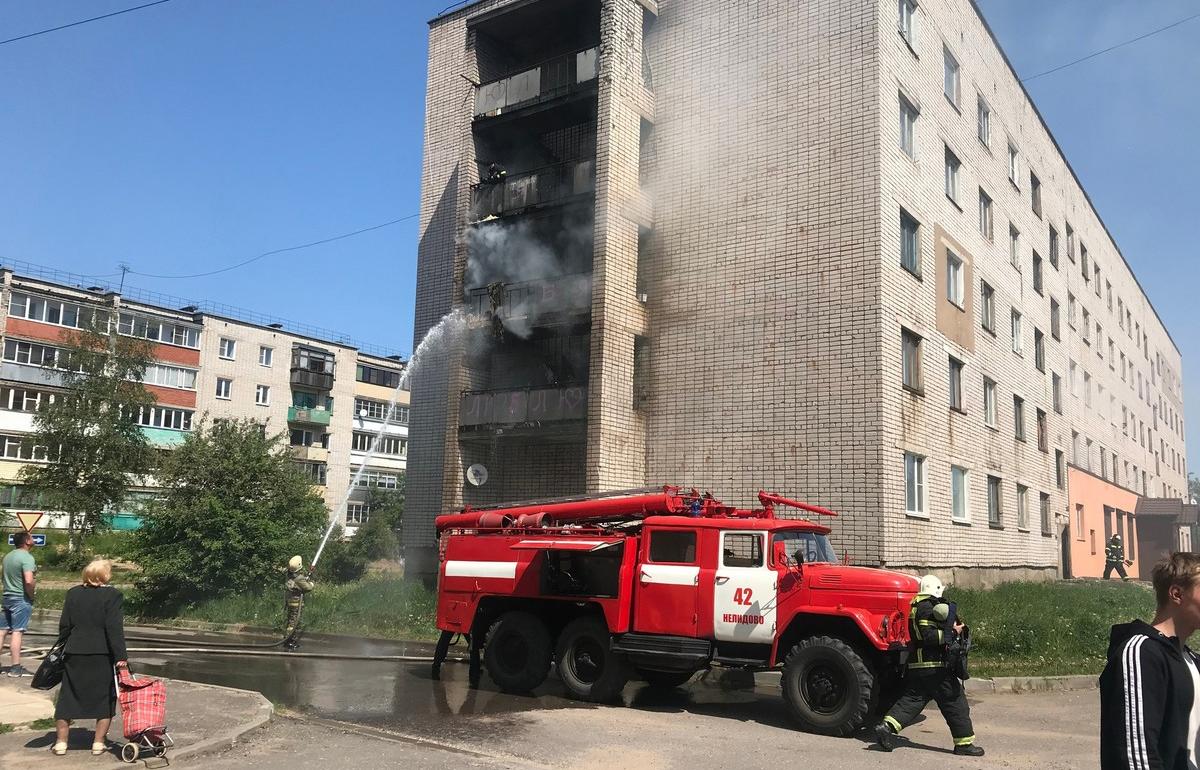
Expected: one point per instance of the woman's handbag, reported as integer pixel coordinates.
(50, 673)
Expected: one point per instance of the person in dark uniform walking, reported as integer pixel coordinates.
(298, 584)
(1114, 558)
(94, 627)
(443, 649)
(929, 675)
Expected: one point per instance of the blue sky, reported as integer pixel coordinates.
(193, 135)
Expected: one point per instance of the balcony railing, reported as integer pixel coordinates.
(540, 187)
(311, 379)
(525, 405)
(534, 299)
(315, 453)
(550, 79)
(306, 416)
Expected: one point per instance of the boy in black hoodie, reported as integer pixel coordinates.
(1150, 689)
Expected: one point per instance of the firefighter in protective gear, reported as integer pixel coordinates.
(297, 585)
(1114, 558)
(929, 676)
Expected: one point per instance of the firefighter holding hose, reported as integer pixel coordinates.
(297, 585)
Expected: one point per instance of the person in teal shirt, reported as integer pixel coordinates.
(18, 569)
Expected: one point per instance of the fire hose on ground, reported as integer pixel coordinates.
(262, 650)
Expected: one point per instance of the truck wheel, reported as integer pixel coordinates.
(665, 679)
(588, 667)
(827, 686)
(517, 652)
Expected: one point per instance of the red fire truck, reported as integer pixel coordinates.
(658, 586)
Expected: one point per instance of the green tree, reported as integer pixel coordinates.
(1193, 488)
(379, 537)
(89, 433)
(236, 508)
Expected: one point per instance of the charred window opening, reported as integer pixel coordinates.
(575, 573)
(641, 372)
(643, 263)
(649, 21)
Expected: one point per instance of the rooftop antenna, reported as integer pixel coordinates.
(124, 268)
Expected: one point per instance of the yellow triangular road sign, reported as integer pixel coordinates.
(29, 519)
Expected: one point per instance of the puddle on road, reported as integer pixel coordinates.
(404, 696)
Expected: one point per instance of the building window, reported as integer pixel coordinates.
(1044, 508)
(911, 363)
(983, 114)
(908, 127)
(1018, 418)
(1053, 247)
(952, 167)
(1014, 164)
(1083, 263)
(375, 376)
(955, 290)
(308, 438)
(956, 385)
(1018, 346)
(314, 472)
(985, 214)
(993, 501)
(1035, 194)
(388, 445)
(1055, 325)
(224, 388)
(950, 76)
(1038, 285)
(164, 417)
(910, 243)
(987, 307)
(265, 355)
(170, 376)
(1085, 331)
(1014, 246)
(989, 402)
(1043, 431)
(1022, 507)
(1056, 391)
(914, 484)
(228, 349)
(907, 23)
(1070, 243)
(262, 395)
(358, 513)
(1039, 350)
(959, 486)
(371, 478)
(1087, 389)
(641, 371)
(1071, 310)
(1060, 469)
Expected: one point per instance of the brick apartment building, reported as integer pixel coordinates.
(827, 248)
(330, 397)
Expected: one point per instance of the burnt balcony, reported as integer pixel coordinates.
(555, 80)
(309, 379)
(550, 302)
(548, 186)
(522, 406)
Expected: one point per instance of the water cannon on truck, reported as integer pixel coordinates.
(660, 584)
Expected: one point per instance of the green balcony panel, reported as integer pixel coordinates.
(164, 437)
(308, 416)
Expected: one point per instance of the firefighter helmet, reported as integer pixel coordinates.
(295, 564)
(931, 585)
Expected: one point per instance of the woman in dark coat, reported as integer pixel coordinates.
(95, 629)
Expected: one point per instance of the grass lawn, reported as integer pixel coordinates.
(1019, 629)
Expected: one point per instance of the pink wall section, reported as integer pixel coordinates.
(1087, 543)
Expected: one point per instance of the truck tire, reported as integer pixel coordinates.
(517, 652)
(588, 667)
(827, 686)
(665, 679)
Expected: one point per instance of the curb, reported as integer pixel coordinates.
(229, 738)
(1033, 684)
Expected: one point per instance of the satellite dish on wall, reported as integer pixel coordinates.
(477, 475)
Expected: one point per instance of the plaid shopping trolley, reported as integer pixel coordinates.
(143, 714)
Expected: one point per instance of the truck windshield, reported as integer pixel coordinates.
(807, 547)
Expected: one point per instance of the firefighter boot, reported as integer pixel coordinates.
(885, 737)
(969, 750)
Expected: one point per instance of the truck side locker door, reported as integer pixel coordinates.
(666, 583)
(746, 589)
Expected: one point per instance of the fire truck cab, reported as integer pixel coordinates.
(660, 586)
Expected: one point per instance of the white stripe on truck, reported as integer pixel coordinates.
(482, 569)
